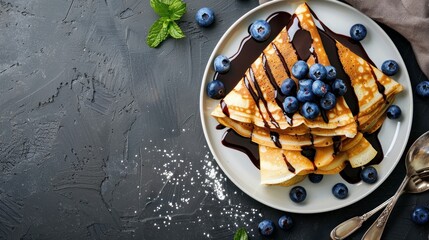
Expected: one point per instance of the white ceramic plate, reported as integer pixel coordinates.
(393, 135)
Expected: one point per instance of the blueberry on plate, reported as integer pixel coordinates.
(393, 111)
(328, 101)
(340, 190)
(310, 110)
(215, 89)
(339, 88)
(222, 64)
(300, 69)
(315, 178)
(290, 104)
(285, 222)
(331, 73)
(260, 30)
(358, 32)
(205, 17)
(297, 194)
(420, 215)
(317, 72)
(319, 88)
(369, 174)
(266, 227)
(288, 87)
(390, 67)
(422, 89)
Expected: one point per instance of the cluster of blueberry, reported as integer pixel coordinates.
(266, 227)
(320, 90)
(339, 190)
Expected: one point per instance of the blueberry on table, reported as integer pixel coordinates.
(339, 88)
(340, 190)
(369, 174)
(300, 69)
(260, 30)
(331, 73)
(420, 215)
(390, 67)
(328, 101)
(215, 89)
(358, 32)
(422, 89)
(298, 194)
(310, 110)
(266, 227)
(285, 222)
(315, 178)
(317, 72)
(290, 104)
(205, 17)
(288, 87)
(393, 112)
(319, 88)
(222, 64)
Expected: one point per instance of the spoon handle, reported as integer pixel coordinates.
(349, 226)
(376, 230)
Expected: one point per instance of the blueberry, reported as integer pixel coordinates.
(390, 67)
(310, 110)
(221, 64)
(420, 215)
(331, 73)
(205, 17)
(300, 69)
(297, 194)
(285, 222)
(358, 32)
(422, 89)
(215, 89)
(260, 30)
(393, 112)
(319, 88)
(305, 92)
(328, 101)
(339, 88)
(266, 227)
(369, 174)
(317, 72)
(288, 87)
(315, 178)
(340, 190)
(290, 104)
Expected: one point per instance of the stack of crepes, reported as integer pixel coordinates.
(290, 147)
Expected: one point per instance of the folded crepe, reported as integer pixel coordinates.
(291, 146)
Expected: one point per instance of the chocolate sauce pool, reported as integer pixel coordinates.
(250, 50)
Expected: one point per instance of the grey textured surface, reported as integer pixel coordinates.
(100, 136)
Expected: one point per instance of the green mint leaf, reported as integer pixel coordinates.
(175, 31)
(161, 8)
(177, 8)
(158, 32)
(241, 234)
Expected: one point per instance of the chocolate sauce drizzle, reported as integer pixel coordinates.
(224, 108)
(301, 40)
(289, 166)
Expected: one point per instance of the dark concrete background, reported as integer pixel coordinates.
(100, 135)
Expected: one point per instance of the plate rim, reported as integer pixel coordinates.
(204, 123)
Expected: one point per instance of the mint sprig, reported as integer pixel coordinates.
(169, 12)
(241, 234)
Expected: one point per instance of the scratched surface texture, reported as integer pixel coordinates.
(100, 136)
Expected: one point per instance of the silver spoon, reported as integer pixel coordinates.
(416, 181)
